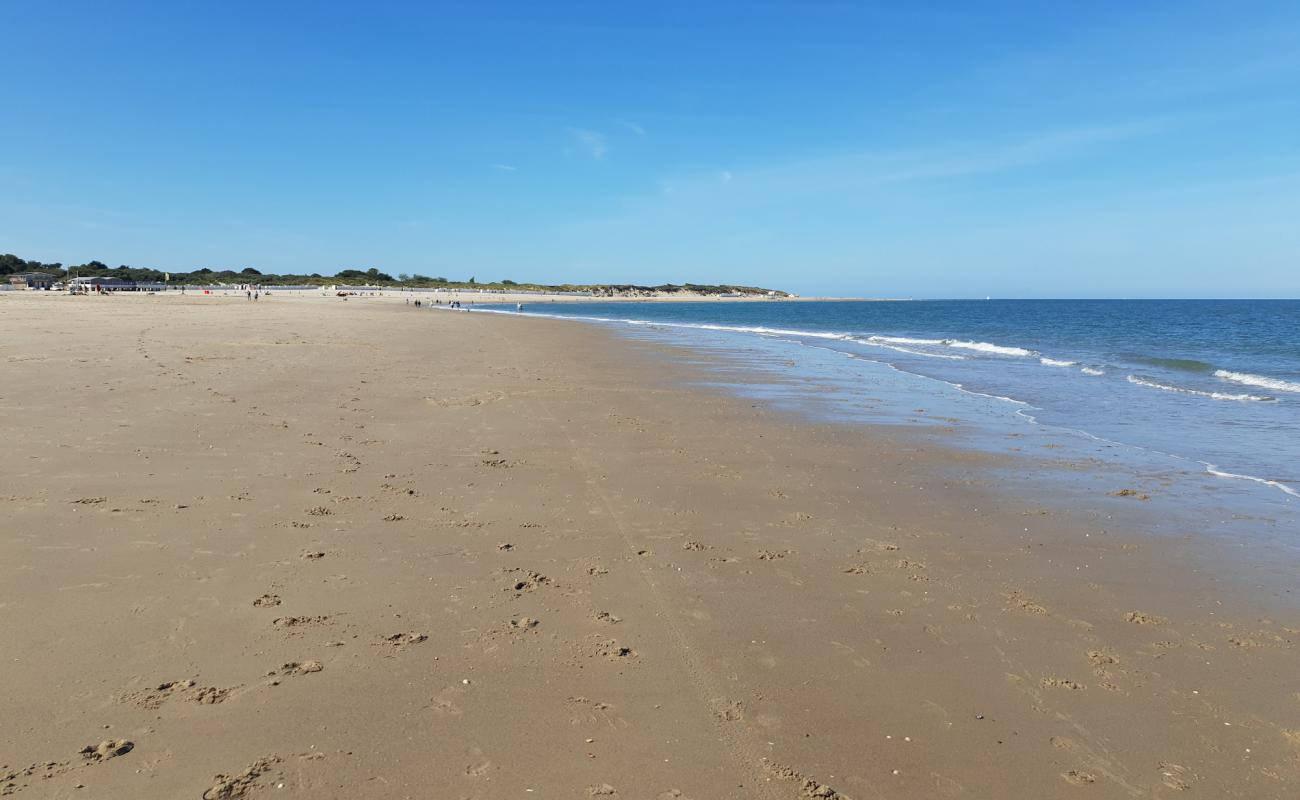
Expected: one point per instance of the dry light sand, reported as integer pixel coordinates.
(314, 548)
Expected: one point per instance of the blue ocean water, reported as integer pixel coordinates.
(1211, 386)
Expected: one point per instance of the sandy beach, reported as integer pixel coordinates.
(308, 547)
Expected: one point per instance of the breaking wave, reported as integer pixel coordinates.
(1263, 382)
(1164, 387)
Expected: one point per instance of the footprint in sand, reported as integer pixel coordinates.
(209, 695)
(402, 640)
(109, 748)
(1100, 658)
(1141, 618)
(187, 689)
(267, 601)
(588, 712)
(235, 787)
(525, 580)
(466, 402)
(1021, 603)
(297, 668)
(877, 545)
(614, 651)
(727, 710)
(445, 701)
(807, 786)
(15, 780)
(287, 623)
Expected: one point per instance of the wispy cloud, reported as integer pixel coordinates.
(962, 161)
(593, 143)
(853, 174)
(632, 126)
(505, 167)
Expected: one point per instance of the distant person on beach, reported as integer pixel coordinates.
(519, 307)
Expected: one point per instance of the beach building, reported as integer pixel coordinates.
(91, 283)
(31, 280)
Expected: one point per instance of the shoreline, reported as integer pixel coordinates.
(689, 591)
(790, 332)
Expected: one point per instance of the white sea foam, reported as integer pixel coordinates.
(754, 329)
(707, 326)
(1164, 387)
(890, 342)
(1261, 381)
(702, 326)
(894, 343)
(1092, 371)
(1215, 471)
(917, 352)
(1013, 401)
(904, 340)
(989, 347)
(1052, 362)
(982, 347)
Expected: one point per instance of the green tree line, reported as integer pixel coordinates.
(206, 276)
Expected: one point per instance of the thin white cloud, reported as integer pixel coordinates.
(867, 171)
(632, 126)
(960, 162)
(593, 143)
(505, 167)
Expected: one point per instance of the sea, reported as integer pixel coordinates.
(1197, 400)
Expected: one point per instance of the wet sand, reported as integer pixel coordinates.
(314, 548)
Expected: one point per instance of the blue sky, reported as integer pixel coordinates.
(1099, 149)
